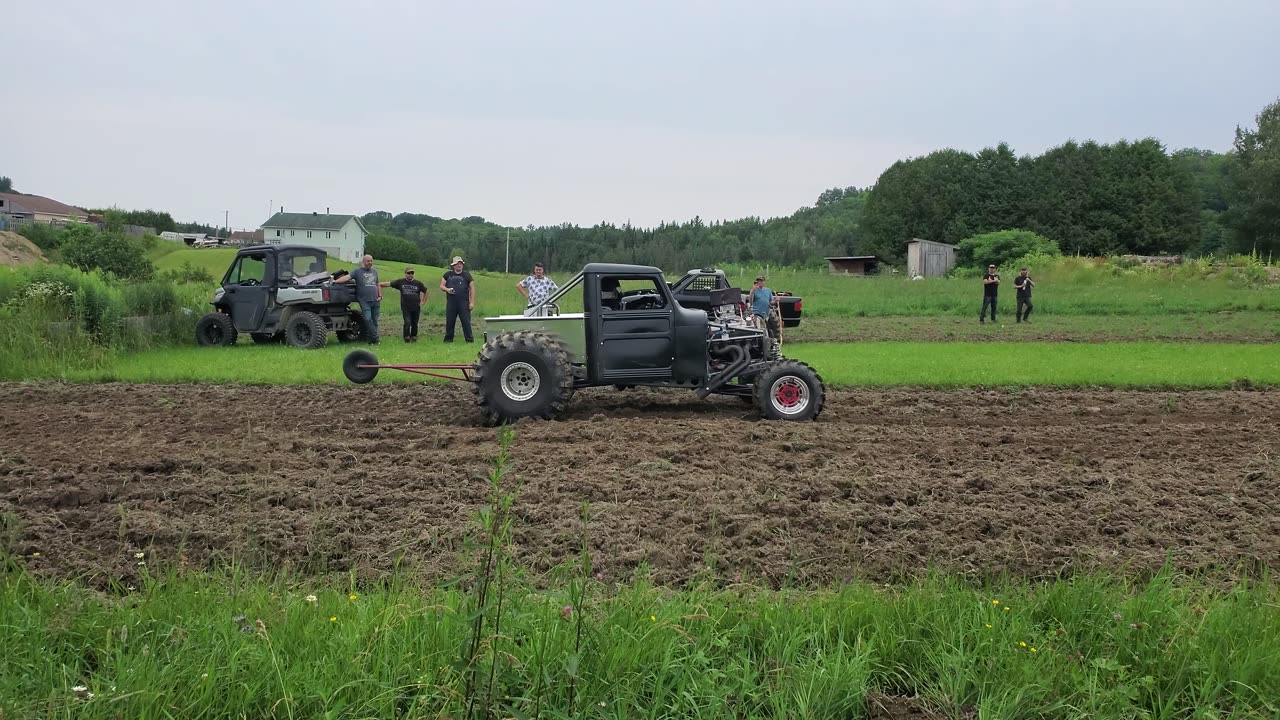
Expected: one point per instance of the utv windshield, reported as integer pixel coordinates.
(301, 267)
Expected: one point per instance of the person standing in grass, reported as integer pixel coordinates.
(413, 295)
(990, 288)
(460, 299)
(762, 303)
(536, 288)
(369, 295)
(1024, 284)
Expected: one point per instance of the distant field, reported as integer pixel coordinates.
(1202, 365)
(1250, 326)
(1073, 288)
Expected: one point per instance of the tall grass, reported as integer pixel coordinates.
(55, 319)
(231, 644)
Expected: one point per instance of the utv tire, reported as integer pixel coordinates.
(266, 338)
(789, 390)
(351, 366)
(522, 374)
(356, 330)
(306, 331)
(215, 330)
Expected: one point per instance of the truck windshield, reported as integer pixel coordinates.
(300, 266)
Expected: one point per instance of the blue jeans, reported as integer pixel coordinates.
(371, 309)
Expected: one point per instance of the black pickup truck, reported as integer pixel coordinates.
(694, 291)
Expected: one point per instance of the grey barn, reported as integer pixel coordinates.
(926, 258)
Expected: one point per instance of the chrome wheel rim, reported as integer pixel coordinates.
(520, 381)
(789, 395)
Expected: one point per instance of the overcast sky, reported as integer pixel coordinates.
(587, 111)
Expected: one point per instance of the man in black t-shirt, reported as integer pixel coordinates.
(460, 299)
(413, 295)
(990, 286)
(1024, 284)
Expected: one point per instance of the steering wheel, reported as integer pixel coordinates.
(250, 282)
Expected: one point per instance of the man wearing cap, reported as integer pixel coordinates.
(990, 286)
(369, 295)
(762, 303)
(460, 299)
(536, 288)
(413, 295)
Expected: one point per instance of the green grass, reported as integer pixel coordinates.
(864, 364)
(1079, 287)
(227, 645)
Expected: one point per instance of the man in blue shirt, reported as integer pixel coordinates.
(762, 304)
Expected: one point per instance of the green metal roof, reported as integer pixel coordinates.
(310, 221)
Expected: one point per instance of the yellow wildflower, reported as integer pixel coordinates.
(333, 619)
(653, 618)
(352, 597)
(1006, 609)
(139, 556)
(1022, 644)
(1033, 649)
(995, 602)
(988, 626)
(35, 554)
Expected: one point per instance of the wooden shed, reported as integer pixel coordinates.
(926, 258)
(854, 265)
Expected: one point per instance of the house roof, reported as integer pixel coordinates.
(247, 235)
(311, 221)
(854, 257)
(19, 203)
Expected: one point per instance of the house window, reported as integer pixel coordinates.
(291, 233)
(277, 233)
(328, 235)
(308, 234)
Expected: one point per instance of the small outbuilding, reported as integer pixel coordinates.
(854, 265)
(926, 258)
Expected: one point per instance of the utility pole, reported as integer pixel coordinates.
(508, 251)
(226, 224)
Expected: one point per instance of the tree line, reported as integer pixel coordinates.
(1090, 198)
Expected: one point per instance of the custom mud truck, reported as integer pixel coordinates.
(281, 292)
(632, 331)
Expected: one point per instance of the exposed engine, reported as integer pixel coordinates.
(732, 338)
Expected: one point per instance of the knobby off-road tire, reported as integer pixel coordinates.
(356, 330)
(351, 366)
(266, 338)
(789, 390)
(215, 330)
(522, 374)
(306, 331)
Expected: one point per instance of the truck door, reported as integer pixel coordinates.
(633, 331)
(248, 291)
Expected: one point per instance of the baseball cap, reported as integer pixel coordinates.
(759, 278)
(456, 259)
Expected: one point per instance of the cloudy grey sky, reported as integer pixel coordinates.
(590, 110)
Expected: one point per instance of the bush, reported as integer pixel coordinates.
(187, 274)
(87, 249)
(1003, 248)
(45, 237)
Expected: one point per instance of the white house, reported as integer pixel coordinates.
(340, 236)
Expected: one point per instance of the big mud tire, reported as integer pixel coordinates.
(356, 330)
(789, 390)
(306, 331)
(215, 330)
(522, 375)
(356, 374)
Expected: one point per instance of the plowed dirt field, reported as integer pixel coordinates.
(886, 484)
